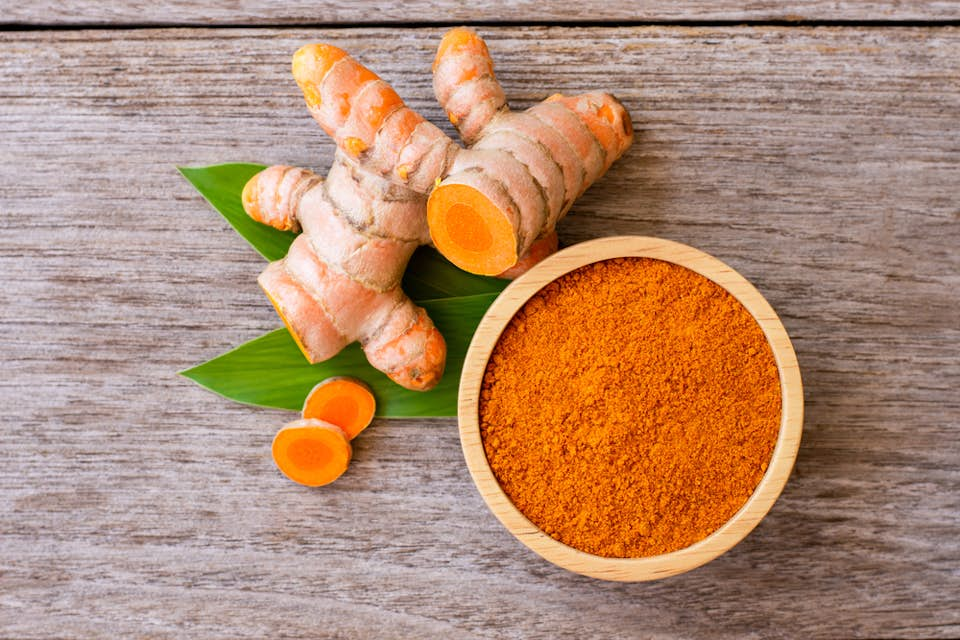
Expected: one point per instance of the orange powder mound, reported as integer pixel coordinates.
(630, 408)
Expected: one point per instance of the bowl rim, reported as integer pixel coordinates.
(781, 463)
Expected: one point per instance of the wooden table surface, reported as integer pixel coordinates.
(814, 146)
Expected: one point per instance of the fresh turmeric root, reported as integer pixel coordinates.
(522, 171)
(492, 208)
(345, 402)
(315, 450)
(340, 282)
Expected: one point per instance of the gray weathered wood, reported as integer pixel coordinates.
(823, 164)
(293, 12)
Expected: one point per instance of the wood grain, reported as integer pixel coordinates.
(822, 164)
(299, 12)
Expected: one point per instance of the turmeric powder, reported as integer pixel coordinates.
(630, 408)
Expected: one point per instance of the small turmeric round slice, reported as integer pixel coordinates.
(311, 452)
(343, 401)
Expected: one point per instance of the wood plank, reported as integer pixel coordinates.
(823, 164)
(304, 12)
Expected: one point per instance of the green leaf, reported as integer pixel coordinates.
(270, 371)
(429, 275)
(222, 185)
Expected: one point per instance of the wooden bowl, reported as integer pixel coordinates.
(652, 567)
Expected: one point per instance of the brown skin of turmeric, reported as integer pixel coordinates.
(630, 408)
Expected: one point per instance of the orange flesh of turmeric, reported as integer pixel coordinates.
(345, 402)
(249, 198)
(311, 452)
(467, 228)
(470, 230)
(286, 323)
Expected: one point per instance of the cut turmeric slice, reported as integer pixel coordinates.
(311, 452)
(471, 231)
(343, 401)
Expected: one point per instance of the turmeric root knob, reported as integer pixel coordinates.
(413, 354)
(271, 197)
(521, 171)
(310, 66)
(340, 280)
